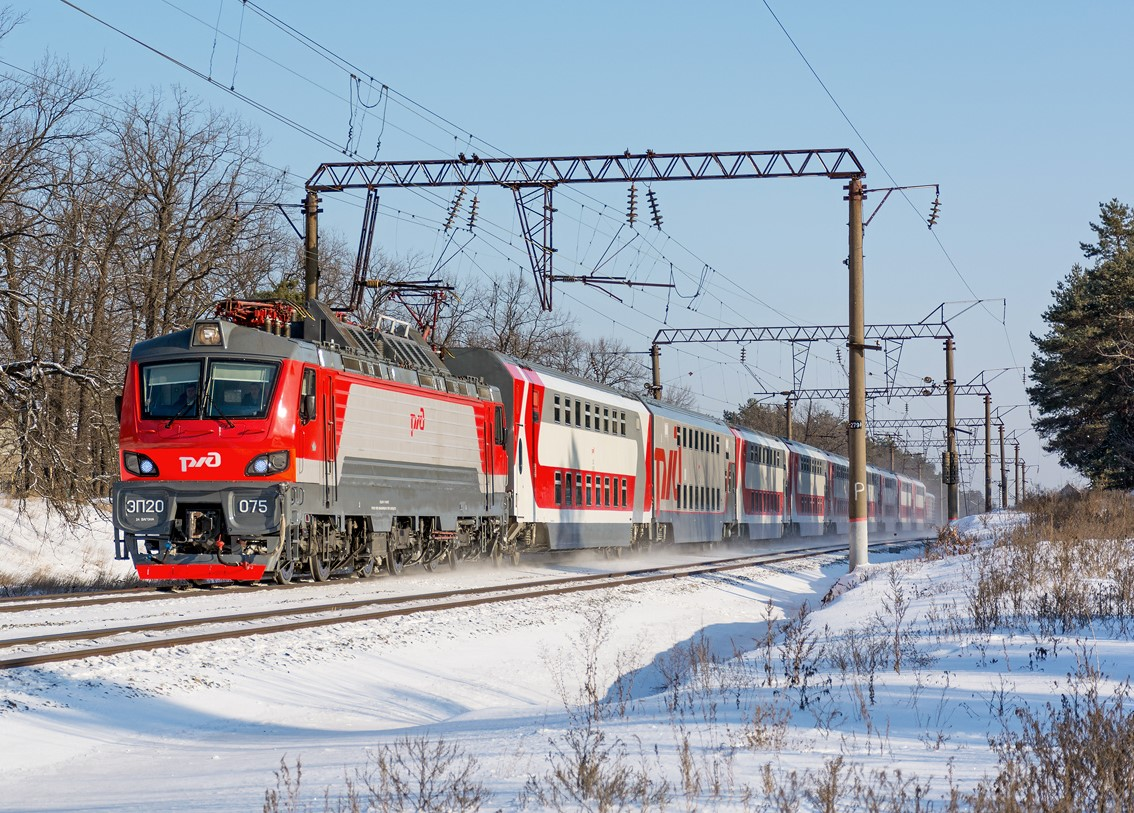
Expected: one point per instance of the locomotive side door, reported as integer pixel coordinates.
(330, 438)
(315, 435)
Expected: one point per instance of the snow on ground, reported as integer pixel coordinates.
(38, 544)
(985, 526)
(687, 688)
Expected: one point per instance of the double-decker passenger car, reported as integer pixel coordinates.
(577, 471)
(760, 484)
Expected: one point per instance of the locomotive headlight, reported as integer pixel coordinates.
(139, 464)
(265, 464)
(207, 333)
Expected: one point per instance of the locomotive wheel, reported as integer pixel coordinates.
(319, 568)
(364, 569)
(285, 571)
(395, 562)
(515, 558)
(497, 555)
(451, 558)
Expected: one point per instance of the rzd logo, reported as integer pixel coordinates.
(211, 461)
(417, 421)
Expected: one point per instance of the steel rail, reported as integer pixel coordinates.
(475, 597)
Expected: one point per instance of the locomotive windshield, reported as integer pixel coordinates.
(238, 389)
(170, 390)
(232, 389)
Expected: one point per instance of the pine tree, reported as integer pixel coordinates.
(1083, 370)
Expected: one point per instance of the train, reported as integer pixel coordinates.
(271, 441)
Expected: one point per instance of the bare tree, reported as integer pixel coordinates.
(43, 133)
(507, 317)
(105, 240)
(611, 362)
(206, 226)
(679, 395)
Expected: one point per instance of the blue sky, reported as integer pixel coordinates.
(1020, 111)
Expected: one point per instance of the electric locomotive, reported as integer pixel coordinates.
(271, 439)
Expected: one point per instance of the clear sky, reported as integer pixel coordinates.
(1020, 111)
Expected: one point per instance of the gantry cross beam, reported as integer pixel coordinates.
(836, 394)
(533, 179)
(804, 334)
(925, 423)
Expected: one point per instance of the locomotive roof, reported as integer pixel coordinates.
(237, 339)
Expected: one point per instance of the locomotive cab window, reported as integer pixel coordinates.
(307, 401)
(238, 389)
(232, 389)
(170, 390)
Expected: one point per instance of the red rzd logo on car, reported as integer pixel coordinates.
(417, 421)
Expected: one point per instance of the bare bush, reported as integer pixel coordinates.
(588, 770)
(432, 776)
(1070, 564)
(418, 773)
(1070, 756)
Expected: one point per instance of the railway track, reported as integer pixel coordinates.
(76, 644)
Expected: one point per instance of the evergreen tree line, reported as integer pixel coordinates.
(1082, 381)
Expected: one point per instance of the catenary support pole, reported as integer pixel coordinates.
(655, 364)
(856, 334)
(788, 420)
(951, 472)
(987, 453)
(1003, 472)
(311, 245)
(1017, 477)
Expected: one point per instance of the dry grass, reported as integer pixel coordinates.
(43, 581)
(1067, 757)
(1070, 567)
(1071, 564)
